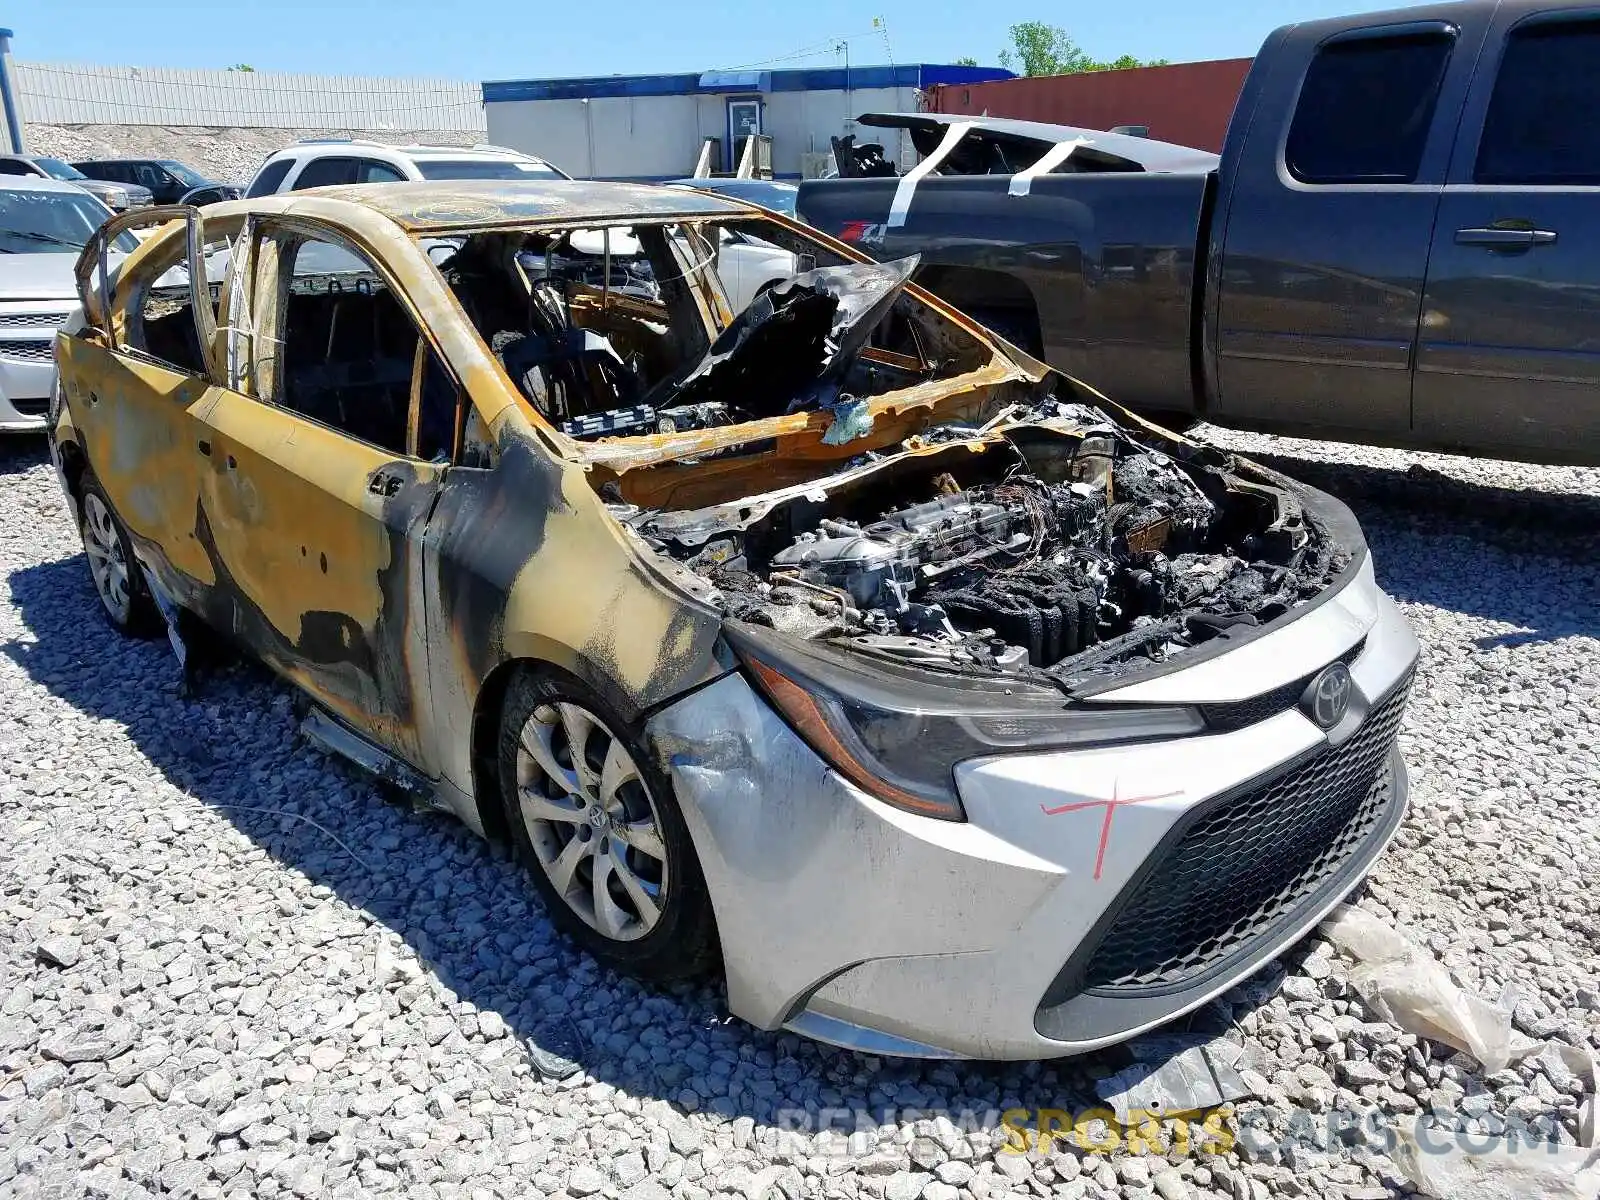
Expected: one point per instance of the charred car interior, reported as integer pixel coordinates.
(607, 345)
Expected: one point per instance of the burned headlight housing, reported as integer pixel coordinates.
(897, 733)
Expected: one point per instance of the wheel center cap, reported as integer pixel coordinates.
(598, 818)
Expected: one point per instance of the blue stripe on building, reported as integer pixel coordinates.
(822, 79)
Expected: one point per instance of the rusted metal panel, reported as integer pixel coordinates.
(1189, 104)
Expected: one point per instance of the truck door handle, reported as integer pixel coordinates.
(1493, 238)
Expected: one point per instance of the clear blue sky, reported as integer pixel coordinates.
(507, 39)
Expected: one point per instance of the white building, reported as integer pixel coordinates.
(651, 127)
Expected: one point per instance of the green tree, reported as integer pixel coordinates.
(968, 61)
(242, 67)
(1041, 49)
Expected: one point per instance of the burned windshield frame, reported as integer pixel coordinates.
(611, 326)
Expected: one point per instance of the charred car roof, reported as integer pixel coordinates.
(454, 205)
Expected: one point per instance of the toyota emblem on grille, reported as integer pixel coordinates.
(1328, 698)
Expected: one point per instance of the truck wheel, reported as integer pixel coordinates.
(596, 824)
(124, 598)
(1019, 328)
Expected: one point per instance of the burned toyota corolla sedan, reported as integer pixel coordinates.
(948, 707)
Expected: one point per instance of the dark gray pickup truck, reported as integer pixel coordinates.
(1399, 243)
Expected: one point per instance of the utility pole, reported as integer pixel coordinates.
(8, 96)
(843, 47)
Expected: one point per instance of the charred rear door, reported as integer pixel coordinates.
(316, 481)
(134, 379)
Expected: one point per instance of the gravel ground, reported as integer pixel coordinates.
(234, 969)
(225, 154)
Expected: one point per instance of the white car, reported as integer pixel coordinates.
(746, 265)
(44, 224)
(325, 162)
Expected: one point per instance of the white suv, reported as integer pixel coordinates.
(320, 162)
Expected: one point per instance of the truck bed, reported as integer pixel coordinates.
(1093, 267)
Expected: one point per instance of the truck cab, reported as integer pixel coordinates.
(1395, 246)
(1402, 245)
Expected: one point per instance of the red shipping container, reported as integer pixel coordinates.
(1186, 103)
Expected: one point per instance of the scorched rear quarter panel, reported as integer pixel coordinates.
(133, 421)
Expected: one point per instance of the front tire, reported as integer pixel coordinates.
(118, 581)
(595, 822)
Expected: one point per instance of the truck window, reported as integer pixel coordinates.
(1541, 126)
(1366, 107)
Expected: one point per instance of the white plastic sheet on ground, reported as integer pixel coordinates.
(1174, 1074)
(1406, 986)
(1500, 1170)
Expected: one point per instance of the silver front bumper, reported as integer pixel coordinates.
(854, 922)
(27, 361)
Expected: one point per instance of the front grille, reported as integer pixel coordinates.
(1249, 861)
(1237, 714)
(28, 351)
(32, 320)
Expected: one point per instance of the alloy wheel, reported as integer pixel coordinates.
(593, 823)
(108, 564)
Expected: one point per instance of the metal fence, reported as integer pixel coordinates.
(71, 94)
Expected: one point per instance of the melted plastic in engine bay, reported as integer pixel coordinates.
(1057, 543)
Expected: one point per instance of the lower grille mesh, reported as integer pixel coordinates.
(28, 351)
(32, 320)
(1249, 861)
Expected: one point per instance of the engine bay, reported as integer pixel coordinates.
(1054, 542)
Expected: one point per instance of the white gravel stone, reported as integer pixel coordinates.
(954, 1173)
(59, 951)
(905, 1185)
